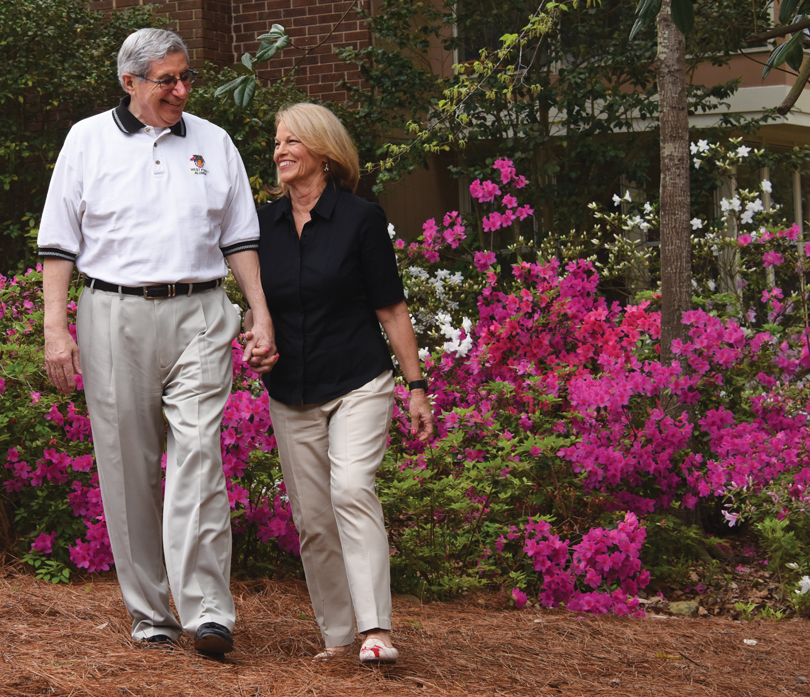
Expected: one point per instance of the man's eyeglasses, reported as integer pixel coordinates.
(169, 83)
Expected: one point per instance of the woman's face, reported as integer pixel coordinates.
(297, 165)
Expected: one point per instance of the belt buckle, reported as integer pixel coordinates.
(171, 291)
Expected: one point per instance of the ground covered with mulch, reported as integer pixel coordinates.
(74, 639)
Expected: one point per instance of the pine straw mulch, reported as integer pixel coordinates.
(74, 640)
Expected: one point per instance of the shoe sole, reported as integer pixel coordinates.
(213, 644)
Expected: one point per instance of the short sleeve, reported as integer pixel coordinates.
(240, 225)
(379, 260)
(60, 231)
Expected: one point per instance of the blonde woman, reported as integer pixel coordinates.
(330, 277)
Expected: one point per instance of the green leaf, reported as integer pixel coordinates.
(647, 10)
(276, 32)
(787, 10)
(265, 52)
(247, 61)
(229, 86)
(781, 53)
(244, 93)
(795, 57)
(683, 15)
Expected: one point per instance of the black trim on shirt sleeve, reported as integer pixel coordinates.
(56, 253)
(240, 247)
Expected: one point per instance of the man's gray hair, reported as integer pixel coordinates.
(144, 47)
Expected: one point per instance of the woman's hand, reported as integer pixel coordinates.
(260, 348)
(421, 415)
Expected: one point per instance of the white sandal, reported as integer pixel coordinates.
(374, 651)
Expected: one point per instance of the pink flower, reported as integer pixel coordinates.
(744, 240)
(44, 543)
(483, 260)
(772, 259)
(519, 597)
(509, 201)
(35, 397)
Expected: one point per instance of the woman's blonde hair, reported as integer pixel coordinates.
(320, 131)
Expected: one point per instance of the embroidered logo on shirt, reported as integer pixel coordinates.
(199, 164)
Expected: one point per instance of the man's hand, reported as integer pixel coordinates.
(62, 360)
(260, 345)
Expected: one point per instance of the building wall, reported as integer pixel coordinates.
(221, 31)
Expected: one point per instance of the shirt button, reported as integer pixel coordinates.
(155, 145)
(148, 129)
(157, 162)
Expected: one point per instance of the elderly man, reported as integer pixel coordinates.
(148, 203)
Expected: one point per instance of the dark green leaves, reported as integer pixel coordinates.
(682, 14)
(275, 40)
(787, 9)
(788, 51)
(244, 87)
(646, 11)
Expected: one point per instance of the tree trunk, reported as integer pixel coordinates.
(676, 260)
(676, 250)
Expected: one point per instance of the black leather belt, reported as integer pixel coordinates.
(163, 290)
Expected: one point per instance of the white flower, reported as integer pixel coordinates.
(616, 200)
(441, 274)
(627, 196)
(644, 225)
(456, 279)
(742, 151)
(697, 163)
(703, 145)
(766, 186)
(697, 223)
(391, 231)
(747, 217)
(712, 285)
(417, 272)
(755, 206)
(648, 208)
(730, 204)
(423, 354)
(792, 565)
(693, 148)
(804, 584)
(635, 221)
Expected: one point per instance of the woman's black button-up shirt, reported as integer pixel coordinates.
(322, 291)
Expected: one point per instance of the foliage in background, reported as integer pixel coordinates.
(566, 96)
(58, 62)
(551, 445)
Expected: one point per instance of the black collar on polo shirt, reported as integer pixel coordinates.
(324, 207)
(128, 123)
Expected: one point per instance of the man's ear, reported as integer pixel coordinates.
(129, 82)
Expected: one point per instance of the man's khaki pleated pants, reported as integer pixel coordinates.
(143, 358)
(330, 453)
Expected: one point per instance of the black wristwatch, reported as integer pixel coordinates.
(418, 385)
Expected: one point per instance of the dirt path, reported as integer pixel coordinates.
(74, 640)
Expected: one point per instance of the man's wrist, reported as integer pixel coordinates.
(421, 384)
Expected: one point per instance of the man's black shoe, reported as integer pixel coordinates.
(213, 639)
(158, 641)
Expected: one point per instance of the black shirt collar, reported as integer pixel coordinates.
(128, 123)
(323, 208)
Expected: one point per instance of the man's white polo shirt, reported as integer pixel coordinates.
(134, 205)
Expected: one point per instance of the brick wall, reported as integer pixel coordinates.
(221, 31)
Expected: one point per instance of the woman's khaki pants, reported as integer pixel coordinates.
(329, 454)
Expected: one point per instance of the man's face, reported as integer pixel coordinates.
(153, 105)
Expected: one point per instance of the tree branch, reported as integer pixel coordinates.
(796, 90)
(778, 31)
(321, 43)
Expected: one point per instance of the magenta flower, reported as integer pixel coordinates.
(483, 260)
(519, 597)
(772, 259)
(744, 240)
(44, 543)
